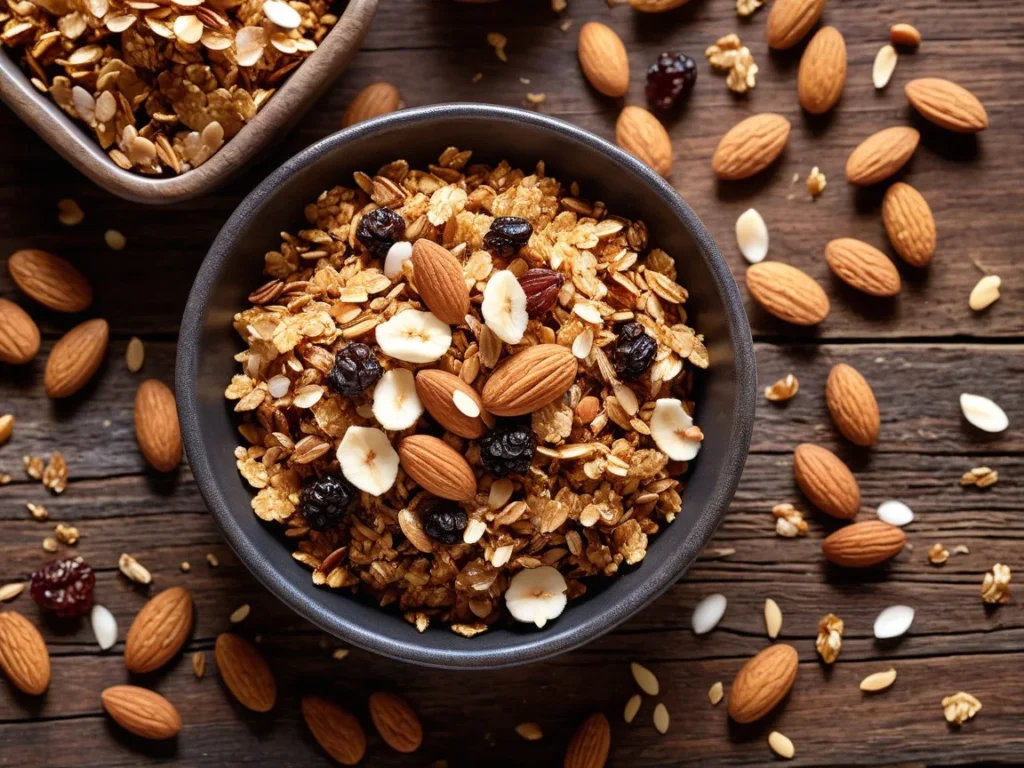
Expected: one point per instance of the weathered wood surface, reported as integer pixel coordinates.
(919, 352)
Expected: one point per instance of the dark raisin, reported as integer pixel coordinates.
(507, 235)
(355, 370)
(670, 78)
(508, 448)
(64, 587)
(445, 523)
(379, 229)
(634, 351)
(325, 502)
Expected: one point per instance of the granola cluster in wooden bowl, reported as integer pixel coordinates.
(466, 390)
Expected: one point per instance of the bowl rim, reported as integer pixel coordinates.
(289, 103)
(534, 647)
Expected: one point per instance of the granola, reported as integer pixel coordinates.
(598, 486)
(162, 85)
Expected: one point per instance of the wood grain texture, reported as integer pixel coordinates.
(918, 351)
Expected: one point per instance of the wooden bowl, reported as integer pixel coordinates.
(291, 101)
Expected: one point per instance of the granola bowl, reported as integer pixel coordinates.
(494, 419)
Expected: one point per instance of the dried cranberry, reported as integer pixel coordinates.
(379, 229)
(64, 587)
(507, 235)
(672, 76)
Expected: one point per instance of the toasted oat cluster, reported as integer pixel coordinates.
(466, 390)
(163, 84)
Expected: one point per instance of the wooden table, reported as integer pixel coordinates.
(919, 352)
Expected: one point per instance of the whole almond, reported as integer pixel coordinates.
(656, 6)
(909, 224)
(947, 104)
(159, 631)
(50, 280)
(156, 425)
(374, 100)
(245, 672)
(75, 358)
(826, 481)
(436, 390)
(529, 380)
(335, 729)
(19, 334)
(395, 721)
(787, 292)
(790, 20)
(438, 467)
(750, 146)
(862, 545)
(852, 405)
(23, 655)
(642, 135)
(863, 267)
(589, 746)
(762, 683)
(880, 155)
(904, 34)
(142, 712)
(439, 280)
(822, 72)
(603, 59)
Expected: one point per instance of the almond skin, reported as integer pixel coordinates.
(159, 631)
(245, 672)
(862, 545)
(880, 155)
(395, 721)
(335, 729)
(23, 655)
(787, 292)
(75, 358)
(374, 100)
(863, 267)
(435, 389)
(603, 59)
(142, 712)
(826, 481)
(439, 280)
(50, 280)
(642, 135)
(909, 224)
(750, 146)
(530, 380)
(852, 405)
(437, 467)
(19, 334)
(789, 21)
(762, 683)
(822, 72)
(589, 746)
(947, 104)
(156, 425)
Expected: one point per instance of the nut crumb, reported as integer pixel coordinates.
(39, 512)
(49, 544)
(789, 521)
(559, 5)
(530, 731)
(960, 707)
(6, 427)
(961, 549)
(339, 653)
(477, 77)
(55, 476)
(830, 638)
(133, 569)
(69, 213)
(816, 182)
(240, 614)
(728, 54)
(11, 591)
(66, 534)
(783, 389)
(747, 7)
(498, 42)
(212, 560)
(982, 477)
(135, 354)
(199, 664)
(937, 554)
(33, 467)
(995, 588)
(115, 240)
(564, 26)
(716, 692)
(185, 566)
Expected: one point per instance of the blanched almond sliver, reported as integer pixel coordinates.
(249, 45)
(752, 236)
(878, 681)
(885, 65)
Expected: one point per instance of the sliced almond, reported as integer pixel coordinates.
(645, 679)
(878, 681)
(752, 236)
(884, 66)
(772, 618)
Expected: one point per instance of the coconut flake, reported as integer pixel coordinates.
(983, 413)
(885, 65)
(895, 513)
(752, 236)
(708, 613)
(893, 621)
(104, 626)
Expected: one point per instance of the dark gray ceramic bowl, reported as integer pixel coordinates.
(725, 394)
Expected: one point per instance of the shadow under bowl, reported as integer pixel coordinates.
(725, 393)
